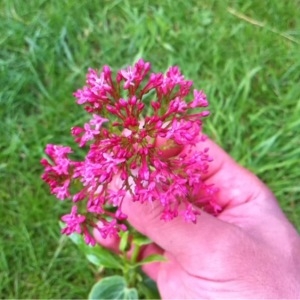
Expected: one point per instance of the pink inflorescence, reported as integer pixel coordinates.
(129, 115)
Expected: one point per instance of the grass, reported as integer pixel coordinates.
(244, 54)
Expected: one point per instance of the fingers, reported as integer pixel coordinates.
(110, 242)
(170, 284)
(241, 194)
(151, 269)
(236, 185)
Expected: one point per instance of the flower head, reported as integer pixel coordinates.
(129, 114)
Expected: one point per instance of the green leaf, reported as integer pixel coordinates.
(113, 287)
(168, 47)
(124, 242)
(141, 240)
(148, 288)
(97, 255)
(150, 259)
(94, 260)
(105, 257)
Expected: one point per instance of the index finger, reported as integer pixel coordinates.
(236, 184)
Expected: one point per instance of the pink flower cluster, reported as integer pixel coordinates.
(130, 114)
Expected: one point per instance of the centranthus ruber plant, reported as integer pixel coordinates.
(140, 146)
(137, 119)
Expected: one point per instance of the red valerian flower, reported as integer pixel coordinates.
(129, 115)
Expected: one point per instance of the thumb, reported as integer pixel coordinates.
(176, 235)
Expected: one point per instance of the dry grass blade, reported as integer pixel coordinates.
(262, 25)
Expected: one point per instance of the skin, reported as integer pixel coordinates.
(250, 250)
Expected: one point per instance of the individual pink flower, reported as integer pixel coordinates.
(124, 160)
(97, 121)
(129, 75)
(183, 131)
(62, 192)
(88, 237)
(199, 100)
(73, 221)
(97, 82)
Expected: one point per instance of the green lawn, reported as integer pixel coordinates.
(245, 54)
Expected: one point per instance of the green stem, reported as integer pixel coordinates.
(135, 253)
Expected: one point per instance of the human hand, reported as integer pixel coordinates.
(249, 251)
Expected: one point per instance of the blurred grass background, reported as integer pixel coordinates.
(245, 55)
